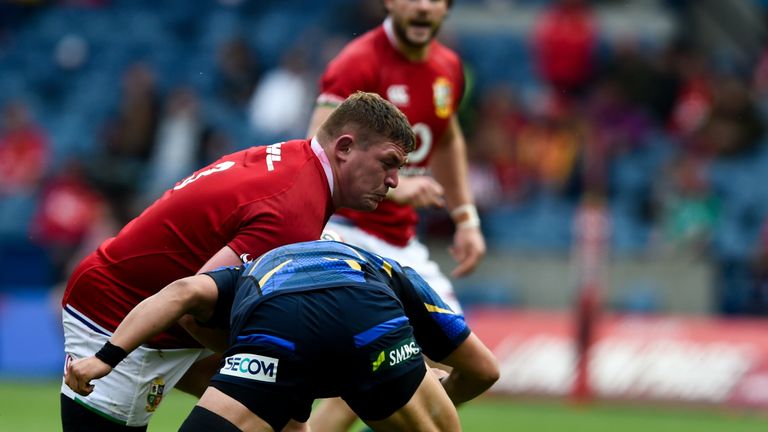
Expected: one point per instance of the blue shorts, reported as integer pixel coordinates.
(352, 341)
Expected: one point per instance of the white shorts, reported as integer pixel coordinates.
(414, 255)
(131, 393)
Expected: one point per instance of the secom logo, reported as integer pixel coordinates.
(251, 366)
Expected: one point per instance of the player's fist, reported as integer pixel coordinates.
(79, 373)
(418, 191)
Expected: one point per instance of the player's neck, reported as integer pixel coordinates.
(408, 51)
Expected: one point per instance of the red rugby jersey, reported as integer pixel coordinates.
(427, 92)
(253, 201)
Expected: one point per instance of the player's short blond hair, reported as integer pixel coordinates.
(370, 117)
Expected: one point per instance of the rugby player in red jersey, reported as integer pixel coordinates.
(241, 206)
(402, 61)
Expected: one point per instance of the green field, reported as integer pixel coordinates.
(34, 407)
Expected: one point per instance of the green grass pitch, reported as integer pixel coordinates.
(34, 407)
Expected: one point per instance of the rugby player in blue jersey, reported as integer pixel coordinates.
(313, 320)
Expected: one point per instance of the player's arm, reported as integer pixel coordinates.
(446, 338)
(212, 338)
(474, 370)
(321, 112)
(225, 257)
(449, 167)
(195, 295)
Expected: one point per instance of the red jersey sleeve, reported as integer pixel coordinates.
(354, 69)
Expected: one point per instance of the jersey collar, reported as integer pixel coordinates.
(389, 29)
(320, 153)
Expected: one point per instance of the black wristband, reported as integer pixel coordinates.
(111, 354)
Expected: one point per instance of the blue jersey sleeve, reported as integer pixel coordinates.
(226, 279)
(438, 329)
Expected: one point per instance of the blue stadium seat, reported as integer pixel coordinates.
(629, 235)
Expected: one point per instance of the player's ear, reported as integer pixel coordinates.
(343, 147)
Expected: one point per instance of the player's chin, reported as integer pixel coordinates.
(420, 36)
(371, 202)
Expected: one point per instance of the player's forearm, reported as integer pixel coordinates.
(319, 115)
(153, 315)
(462, 387)
(213, 339)
(475, 369)
(449, 167)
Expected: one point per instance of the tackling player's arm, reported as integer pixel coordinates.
(319, 115)
(225, 257)
(445, 338)
(196, 295)
(212, 338)
(449, 167)
(474, 370)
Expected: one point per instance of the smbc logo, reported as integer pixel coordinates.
(396, 354)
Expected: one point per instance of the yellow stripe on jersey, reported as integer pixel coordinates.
(433, 308)
(352, 263)
(387, 267)
(272, 272)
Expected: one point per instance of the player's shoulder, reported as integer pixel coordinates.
(364, 47)
(444, 55)
(281, 153)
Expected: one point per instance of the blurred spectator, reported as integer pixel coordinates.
(565, 44)
(495, 171)
(178, 140)
(24, 150)
(647, 80)
(129, 139)
(281, 103)
(238, 72)
(694, 98)
(689, 209)
(183, 144)
(618, 123)
(71, 52)
(68, 210)
(550, 146)
(733, 125)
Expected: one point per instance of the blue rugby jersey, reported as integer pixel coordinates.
(324, 264)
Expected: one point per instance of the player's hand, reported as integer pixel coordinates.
(418, 191)
(79, 373)
(467, 249)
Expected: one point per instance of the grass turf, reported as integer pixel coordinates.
(34, 406)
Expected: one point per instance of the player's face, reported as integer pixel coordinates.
(417, 22)
(370, 172)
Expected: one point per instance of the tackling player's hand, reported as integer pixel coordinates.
(468, 248)
(417, 191)
(79, 373)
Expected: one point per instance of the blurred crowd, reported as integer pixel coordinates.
(107, 103)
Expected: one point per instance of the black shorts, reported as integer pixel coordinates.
(78, 418)
(354, 342)
(203, 420)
